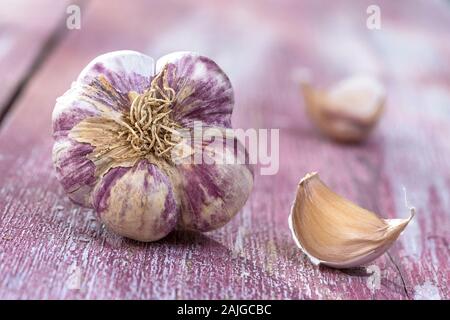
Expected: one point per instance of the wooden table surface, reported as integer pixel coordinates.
(51, 248)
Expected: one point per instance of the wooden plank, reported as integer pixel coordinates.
(26, 27)
(50, 248)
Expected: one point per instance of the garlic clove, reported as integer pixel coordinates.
(335, 232)
(348, 111)
(214, 191)
(204, 92)
(74, 170)
(137, 202)
(103, 86)
(90, 97)
(125, 70)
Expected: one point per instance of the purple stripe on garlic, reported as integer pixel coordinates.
(68, 113)
(74, 170)
(204, 92)
(137, 202)
(126, 70)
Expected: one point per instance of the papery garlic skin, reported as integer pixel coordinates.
(138, 203)
(348, 111)
(73, 170)
(207, 97)
(332, 231)
(144, 197)
(127, 71)
(211, 195)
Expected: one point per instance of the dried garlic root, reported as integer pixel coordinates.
(348, 111)
(335, 232)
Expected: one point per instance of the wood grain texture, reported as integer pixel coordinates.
(50, 248)
(26, 27)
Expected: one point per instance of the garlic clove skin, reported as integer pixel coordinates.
(212, 194)
(335, 232)
(204, 90)
(74, 170)
(137, 202)
(124, 70)
(210, 200)
(349, 110)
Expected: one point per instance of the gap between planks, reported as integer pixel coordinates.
(53, 40)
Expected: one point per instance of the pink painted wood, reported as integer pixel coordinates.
(25, 29)
(50, 248)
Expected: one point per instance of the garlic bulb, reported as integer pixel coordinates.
(333, 231)
(349, 110)
(115, 134)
